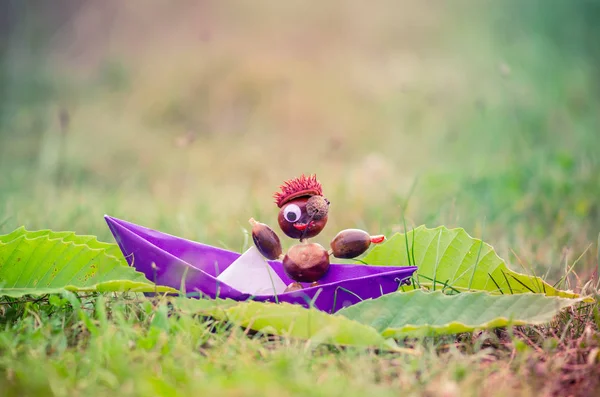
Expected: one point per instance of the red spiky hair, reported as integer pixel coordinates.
(298, 187)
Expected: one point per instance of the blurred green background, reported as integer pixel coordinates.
(186, 116)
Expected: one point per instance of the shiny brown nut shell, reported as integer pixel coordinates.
(266, 240)
(302, 227)
(350, 243)
(295, 286)
(307, 262)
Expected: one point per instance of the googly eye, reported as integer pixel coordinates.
(292, 213)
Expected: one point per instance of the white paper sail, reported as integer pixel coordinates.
(252, 274)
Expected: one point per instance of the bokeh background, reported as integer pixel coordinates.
(186, 117)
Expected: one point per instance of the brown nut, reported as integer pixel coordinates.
(295, 222)
(266, 240)
(317, 207)
(351, 243)
(295, 286)
(307, 262)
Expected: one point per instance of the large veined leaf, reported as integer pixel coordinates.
(419, 313)
(451, 259)
(43, 262)
(292, 321)
(66, 236)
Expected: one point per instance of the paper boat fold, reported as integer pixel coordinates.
(177, 262)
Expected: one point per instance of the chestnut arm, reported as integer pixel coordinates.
(266, 240)
(350, 243)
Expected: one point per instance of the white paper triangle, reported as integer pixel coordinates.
(252, 274)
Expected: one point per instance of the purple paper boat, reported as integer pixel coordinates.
(165, 259)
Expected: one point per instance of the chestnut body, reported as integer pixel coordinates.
(306, 262)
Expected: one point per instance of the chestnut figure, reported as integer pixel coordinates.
(303, 214)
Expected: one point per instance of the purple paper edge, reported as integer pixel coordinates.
(310, 292)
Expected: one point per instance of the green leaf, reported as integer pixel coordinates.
(46, 262)
(292, 321)
(421, 313)
(451, 259)
(90, 241)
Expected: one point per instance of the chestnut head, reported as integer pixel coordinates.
(299, 219)
(303, 209)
